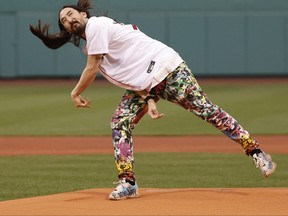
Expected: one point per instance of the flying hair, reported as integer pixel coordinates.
(54, 41)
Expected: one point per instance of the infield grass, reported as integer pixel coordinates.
(47, 110)
(28, 176)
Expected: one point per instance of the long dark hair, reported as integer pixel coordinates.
(54, 41)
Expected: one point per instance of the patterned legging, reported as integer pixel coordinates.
(181, 88)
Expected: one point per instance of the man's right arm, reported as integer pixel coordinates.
(87, 77)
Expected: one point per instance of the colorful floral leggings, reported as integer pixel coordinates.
(181, 88)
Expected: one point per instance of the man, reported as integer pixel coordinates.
(149, 70)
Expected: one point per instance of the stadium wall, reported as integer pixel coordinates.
(215, 37)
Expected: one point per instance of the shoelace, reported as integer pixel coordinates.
(258, 161)
(117, 182)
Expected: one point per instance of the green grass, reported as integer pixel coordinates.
(47, 110)
(28, 176)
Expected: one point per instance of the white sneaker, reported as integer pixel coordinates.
(124, 190)
(264, 162)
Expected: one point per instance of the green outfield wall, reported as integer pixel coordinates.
(215, 37)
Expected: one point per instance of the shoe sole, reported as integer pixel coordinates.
(271, 171)
(137, 195)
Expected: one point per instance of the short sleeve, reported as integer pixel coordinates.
(97, 36)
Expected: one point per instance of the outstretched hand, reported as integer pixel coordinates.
(152, 110)
(80, 102)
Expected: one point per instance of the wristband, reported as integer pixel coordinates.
(148, 98)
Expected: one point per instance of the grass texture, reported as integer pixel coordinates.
(28, 176)
(47, 110)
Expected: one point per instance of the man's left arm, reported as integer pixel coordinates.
(152, 108)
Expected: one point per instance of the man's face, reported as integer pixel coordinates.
(73, 20)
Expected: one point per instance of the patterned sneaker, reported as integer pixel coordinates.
(125, 189)
(264, 162)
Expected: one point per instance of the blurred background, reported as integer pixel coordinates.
(215, 37)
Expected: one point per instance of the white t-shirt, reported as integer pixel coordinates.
(132, 59)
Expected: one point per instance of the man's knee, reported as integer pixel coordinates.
(123, 124)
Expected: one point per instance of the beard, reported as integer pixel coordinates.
(78, 28)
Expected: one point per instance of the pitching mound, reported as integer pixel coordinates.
(240, 201)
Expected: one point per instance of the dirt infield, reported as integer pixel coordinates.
(94, 145)
(240, 201)
(184, 201)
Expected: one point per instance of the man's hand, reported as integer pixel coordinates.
(81, 102)
(152, 110)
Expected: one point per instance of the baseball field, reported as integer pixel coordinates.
(58, 160)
